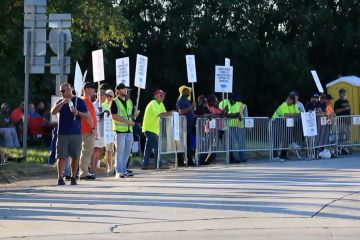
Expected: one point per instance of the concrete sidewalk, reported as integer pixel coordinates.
(294, 200)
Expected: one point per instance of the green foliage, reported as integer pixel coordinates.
(34, 154)
(272, 44)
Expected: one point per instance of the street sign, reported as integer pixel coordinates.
(55, 65)
(60, 20)
(54, 39)
(39, 41)
(34, 6)
(35, 20)
(37, 65)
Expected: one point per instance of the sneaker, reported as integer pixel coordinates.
(294, 146)
(129, 171)
(88, 177)
(73, 181)
(119, 175)
(61, 181)
(67, 178)
(128, 174)
(278, 159)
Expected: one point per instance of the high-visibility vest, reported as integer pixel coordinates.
(125, 113)
(238, 107)
(283, 109)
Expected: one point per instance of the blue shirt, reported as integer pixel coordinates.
(183, 103)
(67, 125)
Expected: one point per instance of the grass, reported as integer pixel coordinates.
(34, 154)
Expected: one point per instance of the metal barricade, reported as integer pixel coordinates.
(212, 136)
(326, 132)
(348, 131)
(251, 134)
(167, 145)
(286, 134)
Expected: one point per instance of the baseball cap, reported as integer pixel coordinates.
(315, 95)
(121, 86)
(109, 93)
(4, 105)
(89, 85)
(159, 91)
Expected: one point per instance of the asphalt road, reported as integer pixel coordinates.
(294, 200)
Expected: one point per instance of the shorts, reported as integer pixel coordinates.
(68, 145)
(110, 147)
(99, 143)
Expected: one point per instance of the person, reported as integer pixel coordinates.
(122, 116)
(7, 129)
(342, 108)
(237, 111)
(89, 131)
(109, 147)
(68, 131)
(299, 104)
(286, 109)
(17, 118)
(99, 141)
(186, 108)
(202, 108)
(314, 104)
(151, 126)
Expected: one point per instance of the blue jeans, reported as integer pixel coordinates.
(152, 143)
(237, 138)
(124, 143)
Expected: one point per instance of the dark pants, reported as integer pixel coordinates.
(152, 143)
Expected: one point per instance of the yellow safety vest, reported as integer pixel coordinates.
(125, 113)
(238, 107)
(284, 108)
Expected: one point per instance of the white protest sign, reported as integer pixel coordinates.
(227, 62)
(191, 68)
(98, 65)
(317, 81)
(123, 71)
(78, 80)
(54, 100)
(176, 126)
(308, 120)
(108, 132)
(140, 72)
(249, 123)
(223, 79)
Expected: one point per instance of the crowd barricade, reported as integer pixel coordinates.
(212, 136)
(222, 135)
(167, 145)
(250, 134)
(348, 131)
(286, 133)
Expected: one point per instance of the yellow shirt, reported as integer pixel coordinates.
(151, 120)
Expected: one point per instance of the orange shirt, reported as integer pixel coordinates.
(329, 110)
(86, 128)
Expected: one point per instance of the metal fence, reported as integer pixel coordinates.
(228, 136)
(348, 131)
(167, 145)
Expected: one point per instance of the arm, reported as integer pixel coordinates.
(56, 109)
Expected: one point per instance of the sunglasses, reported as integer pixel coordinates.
(63, 90)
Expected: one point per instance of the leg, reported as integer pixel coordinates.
(120, 145)
(128, 140)
(86, 153)
(6, 133)
(14, 137)
(60, 167)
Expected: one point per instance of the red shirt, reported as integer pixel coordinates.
(17, 115)
(85, 126)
